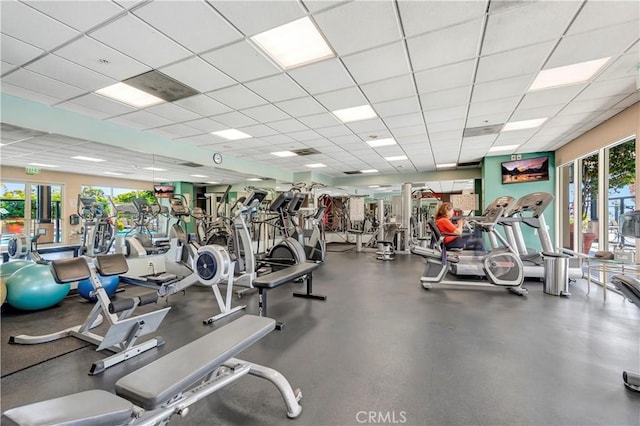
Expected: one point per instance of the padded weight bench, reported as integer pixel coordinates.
(167, 386)
(267, 282)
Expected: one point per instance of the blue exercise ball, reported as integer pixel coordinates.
(33, 287)
(9, 268)
(110, 285)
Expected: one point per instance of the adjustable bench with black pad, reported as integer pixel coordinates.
(275, 279)
(168, 386)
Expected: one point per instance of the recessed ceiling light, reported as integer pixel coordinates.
(347, 115)
(369, 171)
(254, 179)
(161, 179)
(525, 124)
(374, 186)
(284, 154)
(231, 134)
(213, 183)
(113, 173)
(129, 95)
(381, 142)
(569, 74)
(42, 165)
(445, 165)
(502, 148)
(293, 44)
(396, 158)
(94, 160)
(200, 176)
(155, 169)
(315, 165)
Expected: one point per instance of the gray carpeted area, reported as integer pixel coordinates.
(383, 350)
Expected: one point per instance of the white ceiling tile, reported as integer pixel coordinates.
(445, 98)
(265, 113)
(322, 76)
(412, 140)
(329, 132)
(17, 52)
(41, 84)
(408, 131)
(146, 119)
(538, 112)
(392, 88)
(606, 42)
(599, 14)
(397, 107)
(5, 67)
(530, 24)
(71, 106)
(278, 140)
(173, 112)
(445, 46)
(62, 70)
(446, 77)
(319, 120)
(600, 104)
(175, 130)
(203, 105)
(372, 126)
(445, 137)
(89, 53)
(242, 61)
(608, 88)
(197, 26)
(512, 63)
(445, 114)
(550, 96)
(237, 97)
(502, 88)
(516, 137)
(444, 126)
(102, 104)
(422, 16)
(570, 119)
(624, 66)
(197, 74)
(343, 98)
(301, 107)
(506, 105)
(139, 40)
(348, 28)
(234, 120)
(207, 125)
(378, 63)
(81, 15)
(406, 120)
(304, 136)
(253, 17)
(487, 119)
(610, 113)
(27, 24)
(629, 100)
(290, 125)
(258, 130)
(276, 88)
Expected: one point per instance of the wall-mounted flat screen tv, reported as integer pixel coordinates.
(527, 170)
(163, 191)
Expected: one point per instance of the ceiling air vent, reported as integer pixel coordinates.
(470, 165)
(160, 85)
(470, 132)
(353, 172)
(190, 164)
(306, 151)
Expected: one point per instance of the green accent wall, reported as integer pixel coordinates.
(493, 188)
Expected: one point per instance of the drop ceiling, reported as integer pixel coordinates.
(429, 69)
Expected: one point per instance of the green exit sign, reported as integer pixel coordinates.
(31, 170)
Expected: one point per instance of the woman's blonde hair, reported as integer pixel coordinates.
(443, 209)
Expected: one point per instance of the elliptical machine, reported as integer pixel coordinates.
(288, 251)
(502, 266)
(98, 232)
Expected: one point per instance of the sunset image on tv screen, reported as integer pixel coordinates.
(528, 170)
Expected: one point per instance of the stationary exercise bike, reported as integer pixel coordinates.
(630, 287)
(502, 266)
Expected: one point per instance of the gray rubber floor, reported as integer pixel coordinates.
(382, 350)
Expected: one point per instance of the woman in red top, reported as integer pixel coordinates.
(446, 226)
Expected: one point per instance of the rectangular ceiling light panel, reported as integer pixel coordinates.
(294, 44)
(129, 95)
(359, 113)
(91, 159)
(231, 134)
(525, 124)
(567, 75)
(503, 148)
(284, 154)
(381, 142)
(396, 158)
(316, 165)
